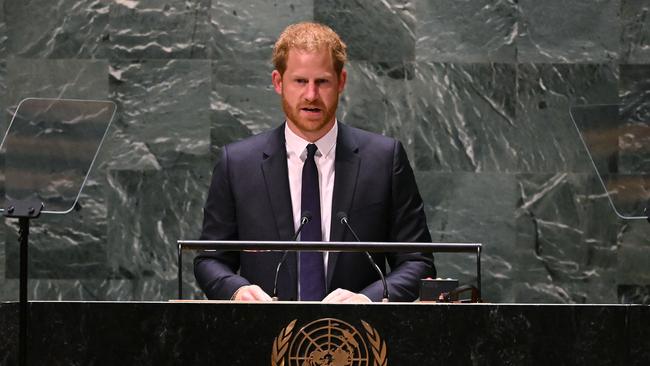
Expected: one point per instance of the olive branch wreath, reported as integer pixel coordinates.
(378, 346)
(281, 344)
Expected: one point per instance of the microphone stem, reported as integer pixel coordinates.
(352, 231)
(277, 272)
(381, 275)
(372, 261)
(304, 220)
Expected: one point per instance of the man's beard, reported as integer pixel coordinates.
(309, 125)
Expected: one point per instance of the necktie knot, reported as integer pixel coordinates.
(311, 151)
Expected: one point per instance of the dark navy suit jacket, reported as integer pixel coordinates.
(249, 199)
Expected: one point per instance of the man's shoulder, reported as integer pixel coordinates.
(366, 139)
(253, 145)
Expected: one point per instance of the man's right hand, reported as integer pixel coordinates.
(251, 293)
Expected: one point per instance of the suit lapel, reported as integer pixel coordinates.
(346, 169)
(276, 179)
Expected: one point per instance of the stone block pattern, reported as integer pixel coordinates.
(479, 93)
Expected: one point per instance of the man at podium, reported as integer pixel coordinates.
(307, 175)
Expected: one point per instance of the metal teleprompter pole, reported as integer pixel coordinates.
(24, 211)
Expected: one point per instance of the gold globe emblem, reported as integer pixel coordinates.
(328, 342)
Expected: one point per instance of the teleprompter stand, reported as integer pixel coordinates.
(23, 211)
(49, 150)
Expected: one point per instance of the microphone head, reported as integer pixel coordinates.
(306, 215)
(341, 216)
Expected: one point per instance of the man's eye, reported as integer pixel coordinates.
(301, 81)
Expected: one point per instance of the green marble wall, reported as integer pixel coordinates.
(478, 91)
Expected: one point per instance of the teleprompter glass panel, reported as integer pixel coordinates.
(49, 149)
(618, 145)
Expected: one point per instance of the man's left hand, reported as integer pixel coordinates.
(342, 296)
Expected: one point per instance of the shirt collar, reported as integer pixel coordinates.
(297, 145)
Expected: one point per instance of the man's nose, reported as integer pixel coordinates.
(311, 94)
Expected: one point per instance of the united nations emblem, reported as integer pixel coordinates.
(330, 342)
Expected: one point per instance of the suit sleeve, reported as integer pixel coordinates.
(407, 224)
(216, 271)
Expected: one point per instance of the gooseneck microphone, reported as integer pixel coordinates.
(343, 218)
(306, 217)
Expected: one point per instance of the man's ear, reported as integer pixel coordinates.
(342, 79)
(277, 81)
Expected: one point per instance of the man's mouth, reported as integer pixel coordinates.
(311, 109)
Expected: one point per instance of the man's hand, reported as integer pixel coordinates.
(341, 296)
(251, 293)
